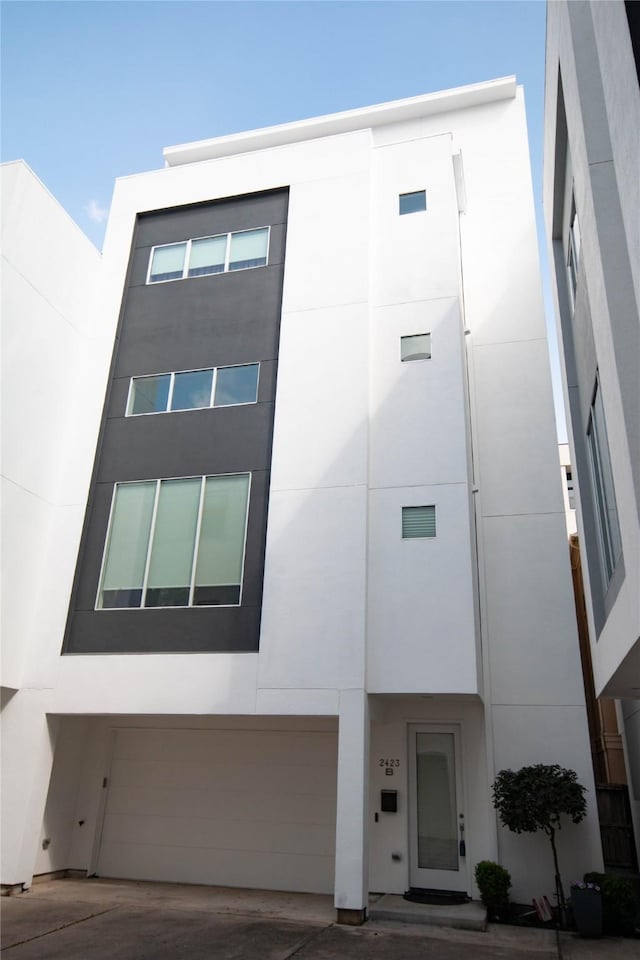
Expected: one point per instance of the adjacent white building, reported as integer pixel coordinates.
(592, 210)
(322, 593)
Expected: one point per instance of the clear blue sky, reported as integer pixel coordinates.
(94, 90)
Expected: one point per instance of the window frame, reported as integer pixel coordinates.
(597, 443)
(187, 255)
(408, 336)
(574, 246)
(172, 374)
(418, 506)
(158, 481)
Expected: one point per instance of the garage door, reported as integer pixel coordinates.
(248, 808)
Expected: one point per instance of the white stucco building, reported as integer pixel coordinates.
(329, 341)
(592, 211)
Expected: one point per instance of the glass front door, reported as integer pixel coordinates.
(436, 812)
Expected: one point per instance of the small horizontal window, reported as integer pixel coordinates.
(207, 255)
(418, 522)
(413, 202)
(415, 347)
(194, 389)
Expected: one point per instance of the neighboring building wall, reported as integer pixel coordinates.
(54, 366)
(592, 209)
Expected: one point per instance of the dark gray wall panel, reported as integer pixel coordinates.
(189, 443)
(194, 630)
(185, 325)
(207, 321)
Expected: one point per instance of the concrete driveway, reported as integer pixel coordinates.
(113, 920)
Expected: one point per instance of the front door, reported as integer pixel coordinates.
(436, 813)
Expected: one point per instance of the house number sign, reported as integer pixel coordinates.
(388, 763)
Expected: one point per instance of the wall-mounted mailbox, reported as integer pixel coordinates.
(389, 801)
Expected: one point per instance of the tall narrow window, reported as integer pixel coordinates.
(127, 544)
(418, 522)
(573, 253)
(219, 566)
(176, 543)
(603, 490)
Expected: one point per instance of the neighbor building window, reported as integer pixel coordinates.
(603, 491)
(415, 347)
(573, 252)
(194, 389)
(413, 202)
(176, 543)
(207, 255)
(418, 522)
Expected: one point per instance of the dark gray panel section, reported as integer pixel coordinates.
(188, 443)
(206, 321)
(185, 325)
(209, 219)
(195, 630)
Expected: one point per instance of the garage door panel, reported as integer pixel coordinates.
(300, 839)
(291, 807)
(259, 747)
(268, 871)
(157, 774)
(238, 808)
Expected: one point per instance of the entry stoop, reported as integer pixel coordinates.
(464, 916)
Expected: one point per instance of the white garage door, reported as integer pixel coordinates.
(246, 808)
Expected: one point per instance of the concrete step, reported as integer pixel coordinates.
(464, 916)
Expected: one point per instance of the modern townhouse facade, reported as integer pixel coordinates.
(592, 212)
(322, 592)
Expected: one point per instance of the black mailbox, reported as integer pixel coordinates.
(389, 801)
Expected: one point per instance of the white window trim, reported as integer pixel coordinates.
(187, 255)
(403, 336)
(411, 506)
(214, 379)
(190, 605)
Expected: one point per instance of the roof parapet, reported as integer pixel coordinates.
(396, 111)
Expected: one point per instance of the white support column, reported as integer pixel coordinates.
(28, 743)
(351, 883)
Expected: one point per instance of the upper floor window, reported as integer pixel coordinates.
(573, 252)
(604, 496)
(413, 202)
(194, 389)
(415, 347)
(175, 543)
(206, 255)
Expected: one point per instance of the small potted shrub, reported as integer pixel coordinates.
(494, 883)
(586, 904)
(619, 903)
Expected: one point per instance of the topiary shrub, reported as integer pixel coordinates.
(535, 798)
(494, 883)
(619, 904)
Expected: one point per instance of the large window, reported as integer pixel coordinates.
(603, 490)
(176, 543)
(207, 255)
(194, 389)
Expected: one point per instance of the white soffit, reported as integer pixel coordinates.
(396, 111)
